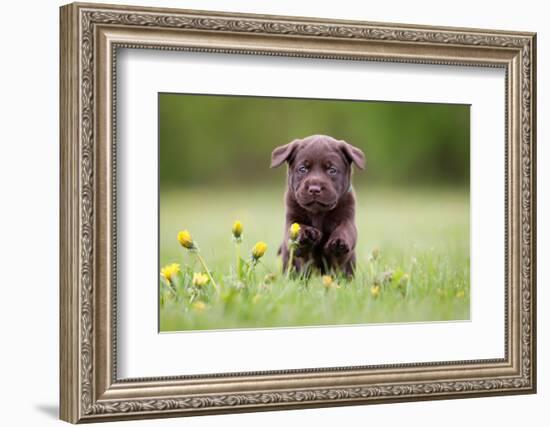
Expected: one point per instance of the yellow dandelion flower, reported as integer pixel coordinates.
(294, 231)
(169, 271)
(258, 250)
(375, 291)
(186, 240)
(327, 281)
(200, 279)
(199, 306)
(460, 293)
(237, 229)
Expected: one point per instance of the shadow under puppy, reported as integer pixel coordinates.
(320, 198)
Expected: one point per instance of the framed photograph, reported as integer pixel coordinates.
(266, 212)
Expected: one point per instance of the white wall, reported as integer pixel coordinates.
(29, 170)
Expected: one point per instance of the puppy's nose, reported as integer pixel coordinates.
(314, 189)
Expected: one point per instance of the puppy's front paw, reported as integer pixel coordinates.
(309, 236)
(337, 246)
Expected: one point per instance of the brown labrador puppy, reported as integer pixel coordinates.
(320, 198)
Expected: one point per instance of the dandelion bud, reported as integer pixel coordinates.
(258, 250)
(185, 239)
(375, 291)
(294, 231)
(200, 279)
(237, 230)
(169, 271)
(375, 253)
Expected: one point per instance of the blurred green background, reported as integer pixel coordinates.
(413, 205)
(228, 139)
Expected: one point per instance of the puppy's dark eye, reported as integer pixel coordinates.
(332, 170)
(302, 169)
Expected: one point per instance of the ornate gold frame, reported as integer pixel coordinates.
(90, 36)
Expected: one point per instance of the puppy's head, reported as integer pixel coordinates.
(319, 170)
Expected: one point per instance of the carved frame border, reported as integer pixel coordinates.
(90, 36)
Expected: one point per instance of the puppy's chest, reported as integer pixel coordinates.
(323, 224)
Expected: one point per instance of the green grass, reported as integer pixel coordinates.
(422, 270)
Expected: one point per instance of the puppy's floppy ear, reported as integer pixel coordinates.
(353, 154)
(282, 154)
